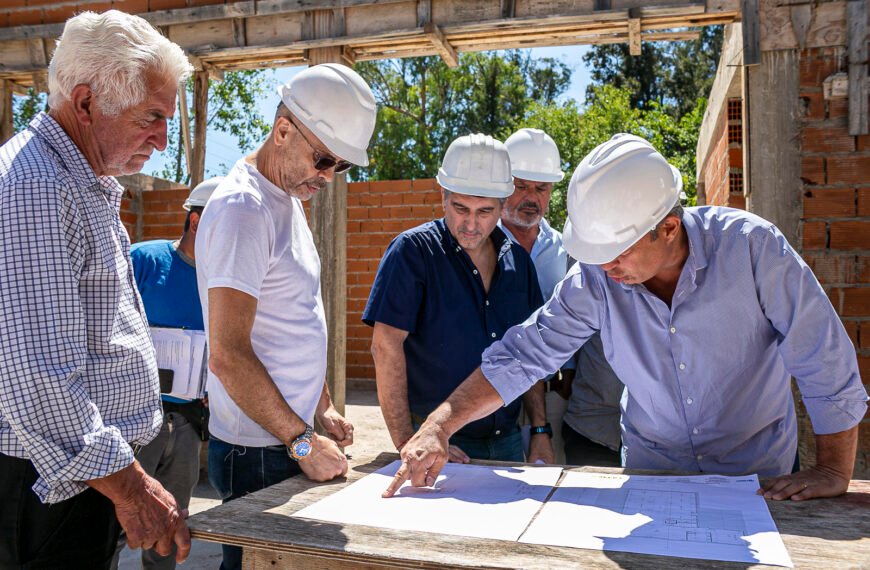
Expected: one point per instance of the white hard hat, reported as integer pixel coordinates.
(477, 165)
(337, 105)
(534, 156)
(203, 191)
(618, 193)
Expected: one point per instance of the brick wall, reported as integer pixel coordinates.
(723, 172)
(835, 176)
(32, 12)
(376, 213)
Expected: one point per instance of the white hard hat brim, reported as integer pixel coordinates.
(538, 176)
(593, 253)
(478, 189)
(337, 147)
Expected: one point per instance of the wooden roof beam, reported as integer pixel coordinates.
(445, 50)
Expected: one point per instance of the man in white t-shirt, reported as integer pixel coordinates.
(258, 275)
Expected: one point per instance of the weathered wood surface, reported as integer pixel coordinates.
(829, 533)
(271, 33)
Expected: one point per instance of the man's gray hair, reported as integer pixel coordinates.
(447, 194)
(676, 211)
(112, 52)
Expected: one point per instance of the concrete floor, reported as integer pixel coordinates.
(371, 438)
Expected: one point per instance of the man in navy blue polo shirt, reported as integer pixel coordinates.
(445, 291)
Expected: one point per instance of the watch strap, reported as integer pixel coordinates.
(546, 428)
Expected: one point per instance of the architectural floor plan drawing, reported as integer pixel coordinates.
(710, 517)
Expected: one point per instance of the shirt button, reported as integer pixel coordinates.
(695, 431)
(498, 432)
(700, 457)
(487, 302)
(689, 401)
(475, 271)
(493, 335)
(458, 248)
(673, 330)
(682, 366)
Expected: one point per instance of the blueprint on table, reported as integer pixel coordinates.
(707, 516)
(482, 501)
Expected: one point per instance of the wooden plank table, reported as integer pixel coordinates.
(822, 533)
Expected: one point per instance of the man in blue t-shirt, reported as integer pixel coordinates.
(165, 273)
(445, 291)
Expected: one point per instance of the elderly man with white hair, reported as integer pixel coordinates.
(79, 391)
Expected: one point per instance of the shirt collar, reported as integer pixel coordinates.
(72, 157)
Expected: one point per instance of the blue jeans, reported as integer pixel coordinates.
(236, 470)
(504, 447)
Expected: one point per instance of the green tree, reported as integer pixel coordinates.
(424, 105)
(671, 75)
(25, 108)
(610, 111)
(232, 109)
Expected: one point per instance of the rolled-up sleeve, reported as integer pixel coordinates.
(44, 345)
(537, 347)
(813, 343)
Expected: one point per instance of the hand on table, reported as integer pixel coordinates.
(423, 457)
(325, 462)
(811, 483)
(541, 449)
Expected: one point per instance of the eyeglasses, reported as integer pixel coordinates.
(323, 162)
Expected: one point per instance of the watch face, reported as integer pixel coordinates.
(302, 448)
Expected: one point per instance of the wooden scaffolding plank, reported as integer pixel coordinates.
(857, 21)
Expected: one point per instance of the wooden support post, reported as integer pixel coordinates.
(139, 209)
(436, 36)
(6, 126)
(184, 118)
(751, 32)
(200, 110)
(856, 20)
(329, 226)
(508, 8)
(424, 12)
(634, 36)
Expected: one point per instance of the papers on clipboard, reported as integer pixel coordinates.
(184, 352)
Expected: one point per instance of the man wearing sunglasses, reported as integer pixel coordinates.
(258, 275)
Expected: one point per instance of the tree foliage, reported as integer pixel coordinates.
(424, 105)
(27, 107)
(671, 75)
(232, 109)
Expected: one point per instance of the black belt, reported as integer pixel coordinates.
(554, 384)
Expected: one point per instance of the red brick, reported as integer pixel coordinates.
(204, 2)
(856, 302)
(131, 6)
(862, 142)
(358, 187)
(864, 370)
(852, 328)
(396, 226)
(155, 5)
(864, 201)
(832, 269)
(390, 186)
(735, 157)
(98, 7)
(813, 71)
(827, 139)
(850, 235)
(829, 202)
(852, 169)
(391, 199)
(838, 108)
(357, 213)
(815, 235)
(26, 18)
(863, 269)
(813, 105)
(370, 199)
(863, 333)
(812, 170)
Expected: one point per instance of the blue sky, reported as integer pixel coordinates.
(222, 151)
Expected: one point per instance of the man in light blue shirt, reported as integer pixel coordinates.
(662, 285)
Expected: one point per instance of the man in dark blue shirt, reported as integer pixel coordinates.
(445, 291)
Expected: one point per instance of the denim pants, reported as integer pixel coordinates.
(236, 470)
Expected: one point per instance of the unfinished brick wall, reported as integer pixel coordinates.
(33, 12)
(376, 213)
(723, 173)
(835, 175)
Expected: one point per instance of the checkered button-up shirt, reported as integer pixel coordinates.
(78, 376)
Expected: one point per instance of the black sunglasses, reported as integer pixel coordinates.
(323, 162)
